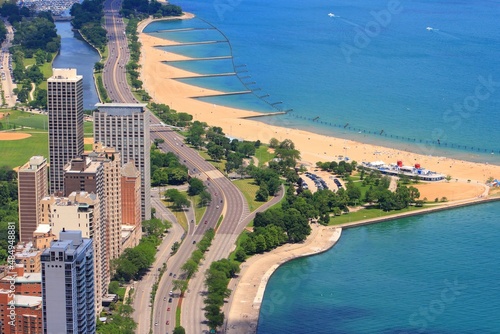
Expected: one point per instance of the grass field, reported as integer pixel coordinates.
(180, 215)
(249, 189)
(263, 155)
(198, 211)
(23, 119)
(18, 152)
(220, 165)
(88, 129)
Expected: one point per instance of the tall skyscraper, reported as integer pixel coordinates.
(68, 285)
(80, 212)
(33, 186)
(125, 126)
(110, 158)
(65, 109)
(131, 205)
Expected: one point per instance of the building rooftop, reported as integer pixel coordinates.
(129, 170)
(33, 164)
(65, 74)
(27, 301)
(26, 278)
(43, 229)
(23, 300)
(121, 109)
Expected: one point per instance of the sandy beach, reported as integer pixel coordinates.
(158, 80)
(467, 178)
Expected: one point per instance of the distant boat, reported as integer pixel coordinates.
(331, 14)
(429, 28)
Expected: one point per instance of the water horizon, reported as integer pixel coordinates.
(399, 91)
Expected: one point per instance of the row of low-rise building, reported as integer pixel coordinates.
(89, 212)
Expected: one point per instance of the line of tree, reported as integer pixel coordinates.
(170, 116)
(135, 262)
(191, 266)
(3, 32)
(87, 18)
(8, 208)
(166, 169)
(216, 279)
(132, 66)
(197, 187)
(144, 8)
(341, 168)
(220, 147)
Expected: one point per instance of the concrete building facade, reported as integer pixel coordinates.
(80, 212)
(125, 126)
(27, 317)
(32, 187)
(131, 205)
(27, 255)
(68, 285)
(65, 110)
(111, 161)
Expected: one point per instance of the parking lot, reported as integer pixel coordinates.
(315, 180)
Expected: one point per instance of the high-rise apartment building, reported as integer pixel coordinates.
(32, 187)
(125, 126)
(68, 285)
(65, 109)
(110, 158)
(131, 205)
(80, 212)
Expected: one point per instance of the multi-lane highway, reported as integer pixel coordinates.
(227, 201)
(8, 84)
(114, 72)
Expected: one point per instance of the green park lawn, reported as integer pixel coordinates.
(249, 189)
(199, 211)
(18, 152)
(263, 155)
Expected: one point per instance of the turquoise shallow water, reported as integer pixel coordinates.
(417, 85)
(436, 273)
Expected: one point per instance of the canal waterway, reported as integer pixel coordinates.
(76, 53)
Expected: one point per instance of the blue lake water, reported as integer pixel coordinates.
(403, 75)
(434, 273)
(372, 67)
(76, 53)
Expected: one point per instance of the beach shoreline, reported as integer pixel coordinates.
(243, 307)
(467, 186)
(158, 81)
